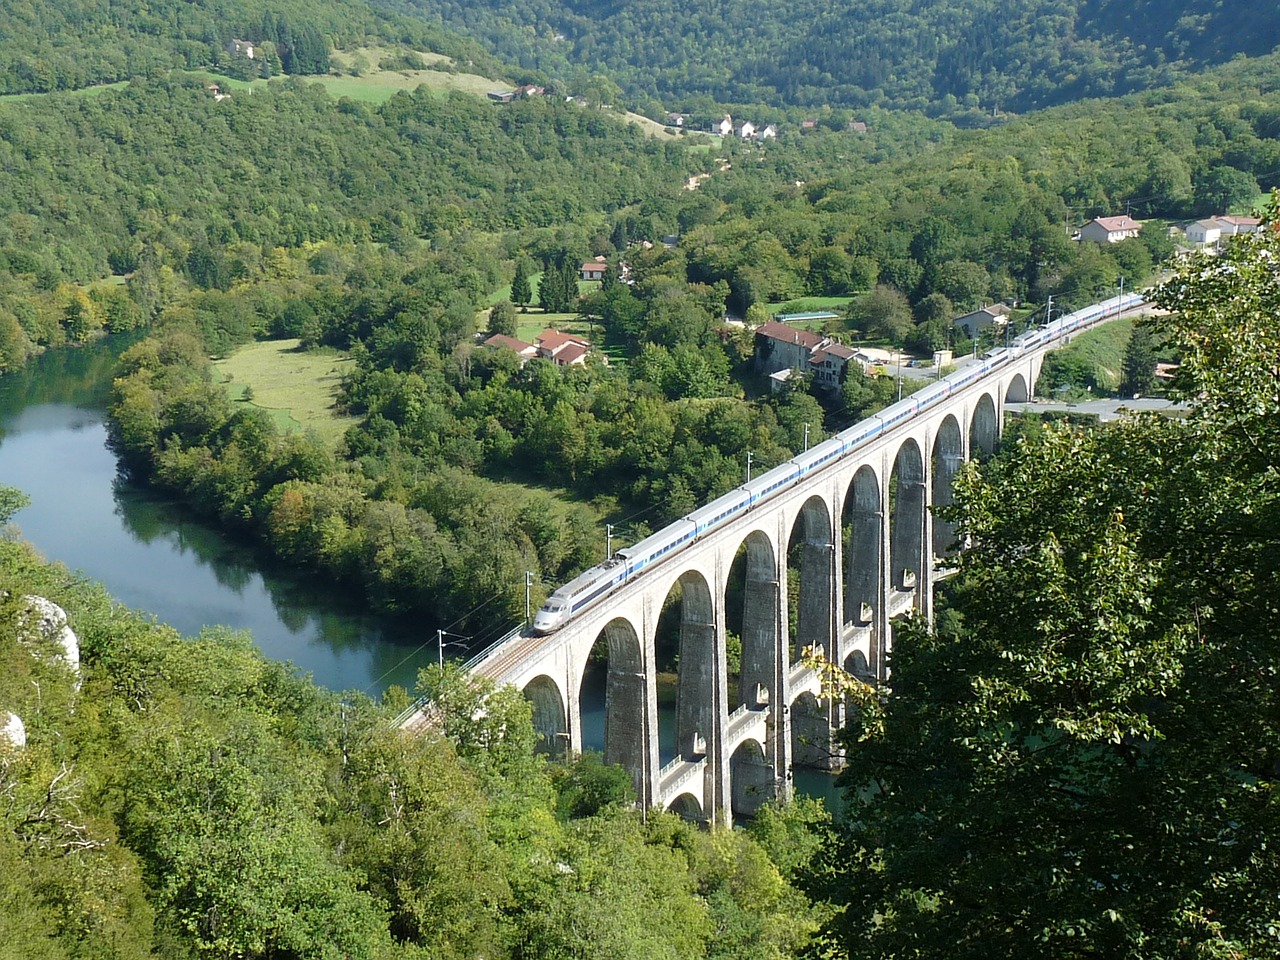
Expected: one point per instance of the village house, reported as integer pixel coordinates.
(781, 350)
(747, 130)
(1231, 226)
(241, 48)
(1203, 232)
(215, 91)
(768, 133)
(530, 90)
(525, 351)
(593, 269)
(723, 127)
(857, 126)
(1110, 229)
(676, 119)
(501, 96)
(997, 314)
(562, 349)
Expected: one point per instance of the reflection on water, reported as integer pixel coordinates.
(154, 556)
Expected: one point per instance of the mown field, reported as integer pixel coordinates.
(296, 387)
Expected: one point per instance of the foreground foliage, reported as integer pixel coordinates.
(1081, 759)
(193, 799)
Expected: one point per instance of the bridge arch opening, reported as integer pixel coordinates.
(857, 665)
(687, 807)
(810, 734)
(751, 621)
(907, 525)
(984, 429)
(548, 715)
(810, 578)
(686, 641)
(948, 455)
(751, 779)
(862, 523)
(1017, 391)
(613, 700)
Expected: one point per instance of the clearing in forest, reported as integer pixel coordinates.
(298, 388)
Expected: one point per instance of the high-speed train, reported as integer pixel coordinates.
(591, 585)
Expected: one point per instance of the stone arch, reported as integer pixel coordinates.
(548, 715)
(810, 553)
(687, 807)
(810, 734)
(1017, 390)
(857, 665)
(751, 779)
(863, 525)
(615, 690)
(689, 612)
(984, 429)
(948, 455)
(907, 521)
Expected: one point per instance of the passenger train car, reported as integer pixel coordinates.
(588, 587)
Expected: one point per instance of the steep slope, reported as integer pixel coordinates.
(68, 44)
(981, 55)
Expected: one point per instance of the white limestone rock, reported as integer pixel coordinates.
(14, 730)
(49, 621)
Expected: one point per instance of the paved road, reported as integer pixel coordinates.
(1105, 409)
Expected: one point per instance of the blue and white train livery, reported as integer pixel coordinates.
(588, 587)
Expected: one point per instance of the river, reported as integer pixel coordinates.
(152, 555)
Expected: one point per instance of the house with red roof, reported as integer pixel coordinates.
(1110, 229)
(1231, 226)
(525, 351)
(779, 347)
(562, 349)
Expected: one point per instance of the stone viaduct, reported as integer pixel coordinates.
(825, 565)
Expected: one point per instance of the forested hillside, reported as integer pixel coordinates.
(64, 45)
(943, 55)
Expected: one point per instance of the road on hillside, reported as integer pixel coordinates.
(1104, 409)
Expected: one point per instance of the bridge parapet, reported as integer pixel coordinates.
(805, 679)
(900, 602)
(675, 777)
(746, 723)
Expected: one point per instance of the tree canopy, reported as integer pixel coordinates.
(1080, 757)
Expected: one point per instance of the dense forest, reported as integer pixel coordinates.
(960, 59)
(61, 45)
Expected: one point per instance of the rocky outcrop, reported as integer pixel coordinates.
(46, 620)
(13, 730)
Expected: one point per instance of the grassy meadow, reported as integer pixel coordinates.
(297, 388)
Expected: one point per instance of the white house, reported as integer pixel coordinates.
(1204, 232)
(768, 133)
(1231, 226)
(723, 127)
(997, 314)
(747, 130)
(241, 48)
(1110, 229)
